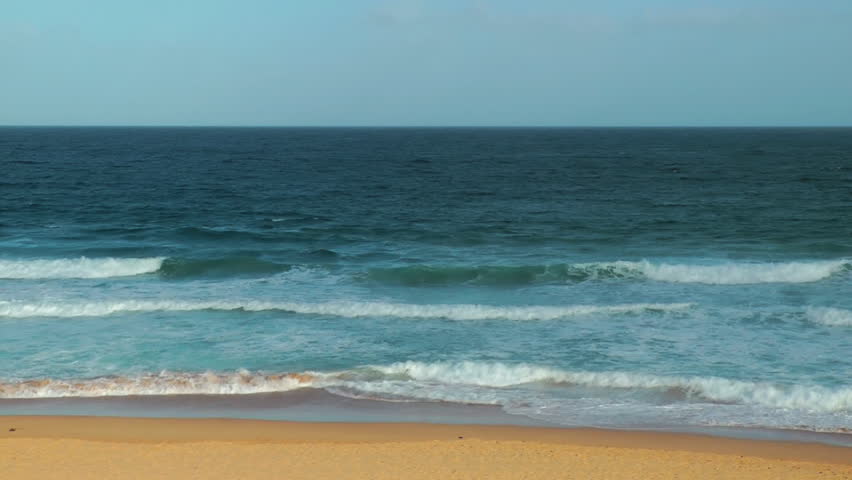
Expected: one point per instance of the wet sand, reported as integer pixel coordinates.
(109, 447)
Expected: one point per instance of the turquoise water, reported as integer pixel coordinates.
(606, 277)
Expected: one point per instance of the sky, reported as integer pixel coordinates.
(426, 63)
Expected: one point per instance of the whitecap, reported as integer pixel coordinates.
(733, 273)
(339, 309)
(836, 317)
(82, 267)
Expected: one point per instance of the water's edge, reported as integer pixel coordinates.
(318, 406)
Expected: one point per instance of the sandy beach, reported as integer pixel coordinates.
(109, 447)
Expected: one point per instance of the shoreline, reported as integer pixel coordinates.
(126, 447)
(320, 407)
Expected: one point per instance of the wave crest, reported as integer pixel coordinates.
(163, 383)
(498, 375)
(339, 309)
(426, 275)
(836, 317)
(439, 381)
(82, 267)
(722, 274)
(740, 273)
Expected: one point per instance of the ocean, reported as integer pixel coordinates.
(624, 278)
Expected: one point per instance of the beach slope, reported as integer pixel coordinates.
(128, 448)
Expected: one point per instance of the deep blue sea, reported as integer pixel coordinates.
(599, 277)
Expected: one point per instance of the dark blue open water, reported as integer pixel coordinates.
(608, 277)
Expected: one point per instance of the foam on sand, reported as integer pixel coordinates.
(163, 383)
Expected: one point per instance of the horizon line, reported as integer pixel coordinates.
(449, 126)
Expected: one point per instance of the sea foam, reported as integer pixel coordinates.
(736, 273)
(836, 317)
(82, 267)
(721, 274)
(339, 309)
(714, 389)
(471, 382)
(507, 275)
(163, 383)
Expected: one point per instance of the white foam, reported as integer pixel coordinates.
(82, 267)
(485, 374)
(339, 309)
(470, 382)
(471, 373)
(733, 273)
(836, 317)
(164, 383)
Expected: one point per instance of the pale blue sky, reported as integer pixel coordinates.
(419, 62)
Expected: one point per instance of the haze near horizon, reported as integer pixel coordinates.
(429, 63)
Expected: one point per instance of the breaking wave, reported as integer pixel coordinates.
(714, 389)
(82, 267)
(163, 383)
(836, 317)
(741, 273)
(461, 382)
(721, 274)
(426, 275)
(167, 268)
(339, 309)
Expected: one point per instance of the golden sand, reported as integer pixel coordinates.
(129, 448)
